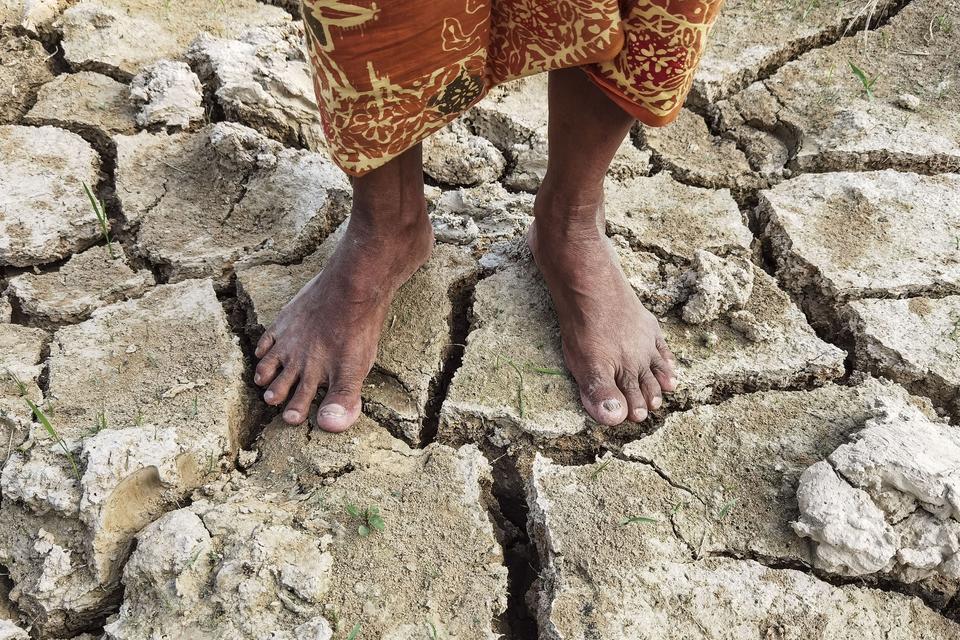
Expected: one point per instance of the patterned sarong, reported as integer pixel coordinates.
(389, 72)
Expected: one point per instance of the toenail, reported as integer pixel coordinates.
(656, 402)
(611, 405)
(256, 379)
(672, 381)
(291, 416)
(268, 396)
(640, 415)
(332, 411)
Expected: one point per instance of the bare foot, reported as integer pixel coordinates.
(327, 335)
(612, 345)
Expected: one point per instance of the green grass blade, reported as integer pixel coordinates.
(600, 469)
(101, 218)
(354, 633)
(862, 77)
(726, 509)
(520, 402)
(42, 419)
(547, 371)
(21, 387)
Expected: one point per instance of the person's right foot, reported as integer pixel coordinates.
(327, 335)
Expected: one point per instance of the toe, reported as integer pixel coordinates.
(651, 390)
(264, 345)
(299, 405)
(629, 384)
(279, 389)
(341, 406)
(603, 400)
(266, 370)
(665, 367)
(664, 373)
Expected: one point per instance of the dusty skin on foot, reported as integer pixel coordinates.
(327, 335)
(612, 345)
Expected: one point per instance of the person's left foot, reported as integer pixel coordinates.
(612, 345)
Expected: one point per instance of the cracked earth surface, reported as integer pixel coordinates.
(797, 235)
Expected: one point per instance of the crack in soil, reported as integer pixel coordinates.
(461, 295)
(878, 583)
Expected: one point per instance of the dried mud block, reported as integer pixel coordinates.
(822, 111)
(455, 156)
(843, 236)
(886, 500)
(488, 218)
(512, 384)
(661, 215)
(513, 116)
(225, 196)
(167, 94)
(278, 553)
(613, 537)
(26, 66)
(718, 285)
(743, 459)
(119, 37)
(86, 102)
(87, 281)
(33, 16)
(10, 631)
(262, 79)
(44, 213)
(767, 344)
(915, 342)
(693, 155)
(747, 40)
(147, 396)
(21, 362)
(416, 340)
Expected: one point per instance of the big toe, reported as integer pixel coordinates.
(340, 407)
(603, 400)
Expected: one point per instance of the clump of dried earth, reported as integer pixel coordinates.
(796, 235)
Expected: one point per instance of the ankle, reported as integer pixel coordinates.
(570, 192)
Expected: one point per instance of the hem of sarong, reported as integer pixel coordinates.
(632, 107)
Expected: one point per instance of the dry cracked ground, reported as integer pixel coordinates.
(797, 232)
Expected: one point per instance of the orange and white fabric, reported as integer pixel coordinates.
(388, 73)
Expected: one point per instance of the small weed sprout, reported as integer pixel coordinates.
(637, 520)
(45, 422)
(862, 77)
(101, 218)
(371, 519)
(600, 469)
(546, 371)
(21, 387)
(726, 509)
(433, 631)
(99, 423)
(942, 23)
(354, 633)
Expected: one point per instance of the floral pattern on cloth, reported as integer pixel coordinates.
(388, 73)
